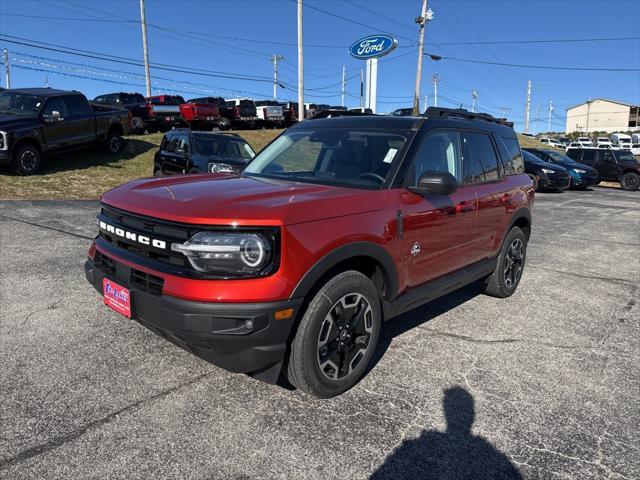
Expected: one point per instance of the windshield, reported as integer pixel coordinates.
(222, 147)
(19, 103)
(331, 156)
(624, 155)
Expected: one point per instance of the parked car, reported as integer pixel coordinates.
(575, 145)
(580, 175)
(290, 112)
(312, 109)
(242, 112)
(544, 175)
(40, 121)
(635, 149)
(224, 115)
(621, 141)
(134, 102)
(603, 142)
(292, 266)
(635, 138)
(164, 113)
(361, 110)
(585, 142)
(612, 165)
(402, 112)
(187, 151)
(270, 113)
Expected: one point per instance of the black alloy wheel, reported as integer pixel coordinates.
(514, 263)
(26, 160)
(536, 183)
(630, 181)
(344, 336)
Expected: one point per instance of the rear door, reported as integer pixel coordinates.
(494, 193)
(439, 233)
(82, 120)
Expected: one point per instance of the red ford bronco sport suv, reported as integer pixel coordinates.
(291, 266)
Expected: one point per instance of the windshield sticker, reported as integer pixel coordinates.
(388, 158)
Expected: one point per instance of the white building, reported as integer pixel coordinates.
(602, 115)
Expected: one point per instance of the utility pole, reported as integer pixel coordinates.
(549, 116)
(435, 81)
(275, 59)
(422, 21)
(300, 66)
(474, 95)
(7, 71)
(535, 120)
(344, 84)
(527, 108)
(145, 49)
(589, 102)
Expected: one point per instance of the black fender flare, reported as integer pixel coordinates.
(346, 252)
(522, 212)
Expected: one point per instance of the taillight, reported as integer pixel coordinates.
(150, 110)
(236, 112)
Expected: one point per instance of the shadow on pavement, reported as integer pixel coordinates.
(450, 455)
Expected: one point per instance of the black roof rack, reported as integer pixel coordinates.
(331, 113)
(461, 113)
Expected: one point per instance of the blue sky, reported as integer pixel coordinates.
(211, 36)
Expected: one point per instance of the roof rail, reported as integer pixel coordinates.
(461, 113)
(339, 113)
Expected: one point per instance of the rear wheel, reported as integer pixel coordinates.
(137, 125)
(337, 336)
(26, 160)
(505, 278)
(630, 181)
(536, 183)
(114, 143)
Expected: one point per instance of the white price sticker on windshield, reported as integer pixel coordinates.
(388, 158)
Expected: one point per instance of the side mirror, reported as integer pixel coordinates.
(435, 183)
(55, 116)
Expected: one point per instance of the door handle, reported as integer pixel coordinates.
(465, 206)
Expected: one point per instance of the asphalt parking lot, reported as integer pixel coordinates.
(542, 385)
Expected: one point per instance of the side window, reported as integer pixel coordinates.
(56, 105)
(513, 163)
(608, 157)
(480, 150)
(99, 99)
(182, 143)
(171, 142)
(440, 151)
(78, 105)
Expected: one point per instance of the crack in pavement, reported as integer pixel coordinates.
(69, 437)
(77, 235)
(592, 277)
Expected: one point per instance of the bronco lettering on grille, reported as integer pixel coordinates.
(132, 236)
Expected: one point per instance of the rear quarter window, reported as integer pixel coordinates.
(511, 155)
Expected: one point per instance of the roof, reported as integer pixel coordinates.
(603, 100)
(46, 92)
(364, 121)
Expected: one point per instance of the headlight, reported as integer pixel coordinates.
(546, 170)
(219, 168)
(3, 140)
(579, 170)
(227, 252)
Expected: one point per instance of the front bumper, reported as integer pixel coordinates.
(584, 180)
(216, 332)
(5, 158)
(555, 182)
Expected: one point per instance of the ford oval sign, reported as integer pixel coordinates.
(373, 46)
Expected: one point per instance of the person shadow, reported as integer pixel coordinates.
(453, 454)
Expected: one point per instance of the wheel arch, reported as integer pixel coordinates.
(367, 258)
(521, 218)
(26, 141)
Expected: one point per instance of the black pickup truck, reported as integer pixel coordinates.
(39, 121)
(134, 102)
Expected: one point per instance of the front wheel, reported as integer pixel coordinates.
(505, 278)
(630, 182)
(337, 336)
(26, 160)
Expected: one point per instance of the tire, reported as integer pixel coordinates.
(505, 278)
(158, 172)
(114, 143)
(349, 298)
(224, 124)
(137, 126)
(630, 182)
(26, 160)
(536, 183)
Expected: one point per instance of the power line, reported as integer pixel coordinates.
(544, 67)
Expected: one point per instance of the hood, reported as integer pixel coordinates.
(223, 199)
(15, 121)
(582, 166)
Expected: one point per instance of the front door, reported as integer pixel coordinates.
(57, 129)
(608, 166)
(174, 157)
(439, 232)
